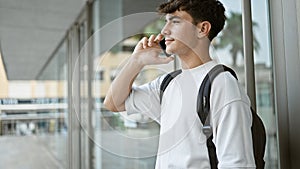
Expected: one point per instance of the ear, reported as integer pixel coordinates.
(203, 29)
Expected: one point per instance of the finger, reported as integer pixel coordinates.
(151, 40)
(159, 37)
(145, 42)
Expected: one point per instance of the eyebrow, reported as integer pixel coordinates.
(173, 17)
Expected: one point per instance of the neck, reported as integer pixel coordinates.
(194, 59)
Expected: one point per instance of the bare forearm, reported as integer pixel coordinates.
(121, 86)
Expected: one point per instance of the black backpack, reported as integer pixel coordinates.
(203, 107)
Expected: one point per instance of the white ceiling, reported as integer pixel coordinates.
(30, 30)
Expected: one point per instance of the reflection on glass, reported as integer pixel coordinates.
(231, 38)
(34, 117)
(54, 76)
(264, 81)
(127, 141)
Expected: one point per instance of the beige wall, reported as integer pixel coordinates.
(35, 89)
(3, 80)
(110, 63)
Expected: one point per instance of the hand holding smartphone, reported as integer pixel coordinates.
(163, 47)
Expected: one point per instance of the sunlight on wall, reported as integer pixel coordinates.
(3, 80)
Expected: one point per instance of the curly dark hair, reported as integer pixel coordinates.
(212, 11)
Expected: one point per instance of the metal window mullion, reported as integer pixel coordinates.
(73, 100)
(69, 48)
(248, 51)
(89, 8)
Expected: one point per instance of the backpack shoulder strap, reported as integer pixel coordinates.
(164, 84)
(203, 106)
(203, 98)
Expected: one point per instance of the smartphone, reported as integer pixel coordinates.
(163, 47)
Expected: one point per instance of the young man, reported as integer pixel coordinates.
(190, 27)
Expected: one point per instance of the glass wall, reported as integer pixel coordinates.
(54, 78)
(122, 140)
(264, 79)
(34, 118)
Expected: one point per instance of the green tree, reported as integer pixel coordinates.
(232, 37)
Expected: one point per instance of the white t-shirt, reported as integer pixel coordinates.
(182, 144)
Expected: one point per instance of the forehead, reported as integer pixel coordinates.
(180, 15)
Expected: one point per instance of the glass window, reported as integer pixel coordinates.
(135, 137)
(34, 117)
(264, 79)
(227, 47)
(53, 84)
(131, 147)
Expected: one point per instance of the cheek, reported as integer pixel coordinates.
(189, 40)
(187, 36)
(178, 48)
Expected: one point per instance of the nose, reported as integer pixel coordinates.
(165, 30)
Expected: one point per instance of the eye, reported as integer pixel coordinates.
(175, 21)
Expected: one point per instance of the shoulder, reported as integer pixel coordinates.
(226, 89)
(225, 80)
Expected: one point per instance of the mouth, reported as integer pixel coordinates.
(168, 40)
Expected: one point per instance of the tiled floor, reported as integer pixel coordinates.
(50, 151)
(26, 152)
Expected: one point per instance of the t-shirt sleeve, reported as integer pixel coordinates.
(232, 136)
(144, 99)
(231, 123)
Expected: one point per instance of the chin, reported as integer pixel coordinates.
(170, 51)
